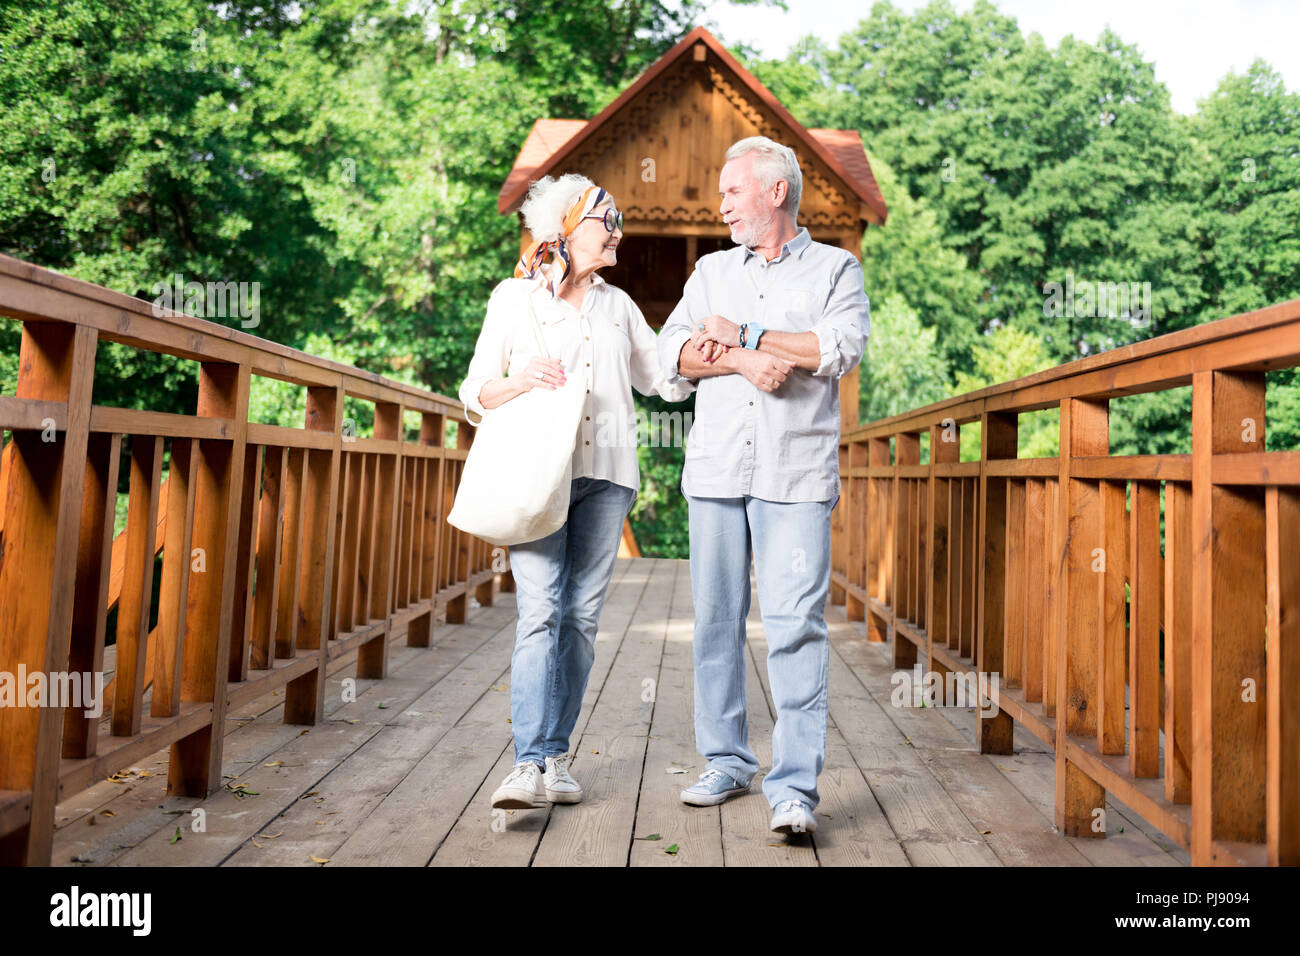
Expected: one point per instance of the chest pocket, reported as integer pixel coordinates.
(616, 333)
(798, 309)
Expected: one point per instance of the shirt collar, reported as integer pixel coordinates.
(797, 245)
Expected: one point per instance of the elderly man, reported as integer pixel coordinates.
(767, 328)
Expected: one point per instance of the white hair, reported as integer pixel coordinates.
(547, 202)
(773, 162)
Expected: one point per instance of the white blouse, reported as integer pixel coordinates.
(607, 343)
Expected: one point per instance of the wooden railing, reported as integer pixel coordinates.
(1142, 612)
(281, 548)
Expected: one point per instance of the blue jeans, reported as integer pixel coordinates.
(792, 550)
(560, 585)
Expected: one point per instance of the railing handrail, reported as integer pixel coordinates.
(179, 330)
(1206, 334)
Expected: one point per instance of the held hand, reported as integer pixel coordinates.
(715, 327)
(542, 372)
(766, 372)
(711, 351)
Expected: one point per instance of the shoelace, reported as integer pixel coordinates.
(560, 767)
(787, 805)
(708, 777)
(519, 773)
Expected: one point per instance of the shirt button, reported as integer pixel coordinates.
(587, 443)
(589, 417)
(760, 295)
(747, 442)
(751, 403)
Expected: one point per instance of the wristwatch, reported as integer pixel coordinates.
(750, 340)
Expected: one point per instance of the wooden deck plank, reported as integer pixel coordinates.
(853, 830)
(473, 840)
(250, 744)
(746, 837)
(930, 826)
(696, 832)
(409, 783)
(599, 831)
(356, 786)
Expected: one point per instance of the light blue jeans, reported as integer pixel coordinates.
(791, 544)
(560, 585)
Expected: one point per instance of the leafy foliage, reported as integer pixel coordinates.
(346, 155)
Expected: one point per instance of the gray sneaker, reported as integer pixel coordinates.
(713, 788)
(793, 816)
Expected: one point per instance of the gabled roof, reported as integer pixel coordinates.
(551, 141)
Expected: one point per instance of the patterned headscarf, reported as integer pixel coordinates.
(530, 263)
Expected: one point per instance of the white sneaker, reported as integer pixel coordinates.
(560, 786)
(793, 816)
(522, 789)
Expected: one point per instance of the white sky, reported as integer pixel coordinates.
(1193, 43)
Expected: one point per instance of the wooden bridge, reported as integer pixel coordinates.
(275, 662)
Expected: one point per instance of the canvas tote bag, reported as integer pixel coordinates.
(515, 485)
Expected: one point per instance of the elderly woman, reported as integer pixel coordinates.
(596, 332)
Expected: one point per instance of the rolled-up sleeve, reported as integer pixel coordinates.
(644, 368)
(845, 325)
(677, 330)
(491, 353)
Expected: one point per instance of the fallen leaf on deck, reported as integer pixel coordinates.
(255, 843)
(1008, 769)
(653, 836)
(675, 770)
(316, 859)
(382, 706)
(274, 763)
(177, 836)
(986, 832)
(109, 813)
(272, 836)
(499, 687)
(671, 850)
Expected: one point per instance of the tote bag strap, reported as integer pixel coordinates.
(537, 330)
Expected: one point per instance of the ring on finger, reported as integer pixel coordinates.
(541, 376)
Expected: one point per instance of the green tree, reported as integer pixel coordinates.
(902, 368)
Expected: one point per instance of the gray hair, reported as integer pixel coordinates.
(548, 200)
(773, 162)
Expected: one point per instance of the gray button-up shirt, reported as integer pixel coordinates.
(782, 445)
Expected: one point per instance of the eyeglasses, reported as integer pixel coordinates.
(612, 218)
